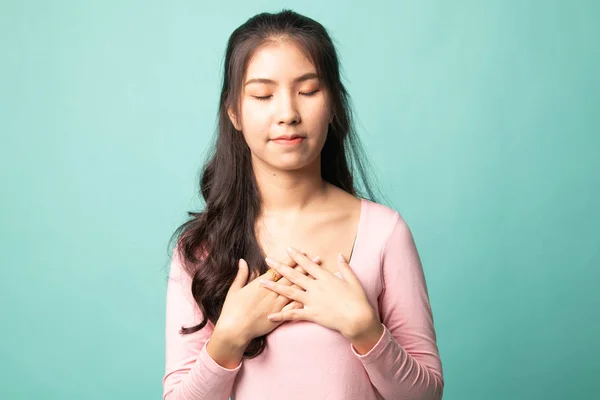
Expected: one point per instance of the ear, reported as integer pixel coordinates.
(234, 119)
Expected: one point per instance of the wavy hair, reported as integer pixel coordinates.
(212, 241)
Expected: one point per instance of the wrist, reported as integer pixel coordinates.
(366, 332)
(231, 337)
(226, 349)
(361, 324)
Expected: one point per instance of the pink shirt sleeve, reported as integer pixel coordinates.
(405, 361)
(190, 372)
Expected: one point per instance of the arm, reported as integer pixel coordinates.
(190, 372)
(404, 362)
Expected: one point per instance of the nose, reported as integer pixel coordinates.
(287, 111)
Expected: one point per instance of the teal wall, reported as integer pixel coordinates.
(482, 119)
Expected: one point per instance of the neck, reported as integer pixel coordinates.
(291, 191)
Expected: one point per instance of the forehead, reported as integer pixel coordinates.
(280, 60)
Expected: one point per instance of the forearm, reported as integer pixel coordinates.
(390, 368)
(226, 349)
(201, 379)
(211, 376)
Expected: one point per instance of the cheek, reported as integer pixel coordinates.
(319, 119)
(255, 128)
(255, 122)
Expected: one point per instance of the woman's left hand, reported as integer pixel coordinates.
(338, 304)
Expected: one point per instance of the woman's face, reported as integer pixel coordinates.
(284, 108)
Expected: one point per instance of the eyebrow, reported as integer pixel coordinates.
(301, 78)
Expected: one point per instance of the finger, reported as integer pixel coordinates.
(309, 266)
(294, 305)
(316, 259)
(291, 293)
(271, 275)
(291, 315)
(291, 274)
(282, 279)
(281, 300)
(346, 271)
(291, 263)
(242, 275)
(283, 303)
(285, 281)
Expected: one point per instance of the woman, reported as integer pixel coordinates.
(250, 314)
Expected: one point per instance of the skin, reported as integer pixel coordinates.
(338, 304)
(244, 314)
(282, 95)
(283, 107)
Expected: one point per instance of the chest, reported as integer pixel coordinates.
(325, 237)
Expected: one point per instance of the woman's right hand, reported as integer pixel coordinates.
(244, 313)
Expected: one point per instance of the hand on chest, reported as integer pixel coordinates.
(323, 237)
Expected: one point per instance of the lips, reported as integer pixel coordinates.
(288, 137)
(288, 140)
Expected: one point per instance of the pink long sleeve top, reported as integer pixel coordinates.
(303, 360)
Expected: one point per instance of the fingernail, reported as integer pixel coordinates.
(269, 261)
(290, 249)
(341, 257)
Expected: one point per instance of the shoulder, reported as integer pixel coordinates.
(380, 216)
(380, 213)
(384, 223)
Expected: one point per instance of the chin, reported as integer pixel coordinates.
(293, 163)
(289, 166)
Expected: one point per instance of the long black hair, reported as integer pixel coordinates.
(211, 242)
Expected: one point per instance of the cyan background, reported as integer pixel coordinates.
(482, 119)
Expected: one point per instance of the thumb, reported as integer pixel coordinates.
(346, 271)
(242, 275)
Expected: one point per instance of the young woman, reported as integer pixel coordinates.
(289, 286)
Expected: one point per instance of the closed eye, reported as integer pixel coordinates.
(302, 93)
(310, 93)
